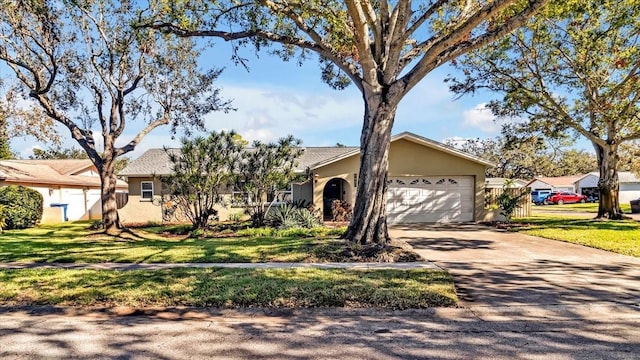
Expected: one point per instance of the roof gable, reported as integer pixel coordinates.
(62, 166)
(418, 140)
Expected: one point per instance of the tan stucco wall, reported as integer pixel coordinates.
(138, 210)
(406, 158)
(303, 191)
(344, 169)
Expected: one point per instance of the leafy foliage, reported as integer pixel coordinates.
(574, 69)
(508, 201)
(526, 158)
(82, 65)
(289, 215)
(265, 169)
(22, 206)
(203, 170)
(3, 218)
(341, 210)
(5, 149)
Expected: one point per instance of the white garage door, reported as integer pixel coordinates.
(430, 199)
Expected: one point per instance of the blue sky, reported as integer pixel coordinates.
(277, 98)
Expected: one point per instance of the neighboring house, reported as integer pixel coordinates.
(559, 183)
(428, 182)
(629, 185)
(70, 188)
(498, 183)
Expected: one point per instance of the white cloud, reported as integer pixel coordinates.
(260, 134)
(269, 112)
(26, 152)
(480, 117)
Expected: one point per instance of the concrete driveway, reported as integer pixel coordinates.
(497, 268)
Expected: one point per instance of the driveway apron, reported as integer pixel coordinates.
(497, 268)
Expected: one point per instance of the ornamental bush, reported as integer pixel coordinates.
(22, 206)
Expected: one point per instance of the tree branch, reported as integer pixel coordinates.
(452, 46)
(133, 143)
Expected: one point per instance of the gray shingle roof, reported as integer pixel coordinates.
(152, 162)
(156, 161)
(315, 155)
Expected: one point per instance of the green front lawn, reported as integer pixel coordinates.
(622, 237)
(273, 288)
(72, 242)
(586, 207)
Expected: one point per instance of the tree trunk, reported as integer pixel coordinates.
(110, 219)
(608, 184)
(369, 221)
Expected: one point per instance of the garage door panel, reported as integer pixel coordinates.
(430, 199)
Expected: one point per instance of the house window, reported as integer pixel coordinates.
(146, 190)
(239, 198)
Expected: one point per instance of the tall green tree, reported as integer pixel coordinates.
(385, 48)
(203, 172)
(5, 147)
(526, 158)
(265, 169)
(573, 68)
(58, 152)
(18, 119)
(85, 67)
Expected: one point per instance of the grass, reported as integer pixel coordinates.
(72, 242)
(622, 237)
(272, 288)
(586, 207)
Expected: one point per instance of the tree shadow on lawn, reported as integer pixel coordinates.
(47, 247)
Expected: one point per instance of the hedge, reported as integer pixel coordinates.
(22, 206)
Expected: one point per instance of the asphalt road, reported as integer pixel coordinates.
(560, 332)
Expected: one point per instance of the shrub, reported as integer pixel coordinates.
(308, 218)
(23, 206)
(3, 218)
(341, 210)
(289, 215)
(509, 202)
(282, 216)
(235, 217)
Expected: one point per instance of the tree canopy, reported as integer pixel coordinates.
(385, 48)
(203, 171)
(83, 65)
(518, 158)
(574, 68)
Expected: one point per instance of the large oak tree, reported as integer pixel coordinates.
(385, 48)
(574, 68)
(85, 66)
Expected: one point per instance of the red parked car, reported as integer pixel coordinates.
(565, 198)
